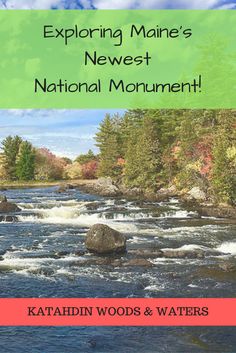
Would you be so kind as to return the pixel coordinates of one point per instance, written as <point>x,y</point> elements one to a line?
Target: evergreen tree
<point>143,158</point>
<point>107,141</point>
<point>84,158</point>
<point>223,172</point>
<point>11,146</point>
<point>131,160</point>
<point>148,155</point>
<point>185,147</point>
<point>25,164</point>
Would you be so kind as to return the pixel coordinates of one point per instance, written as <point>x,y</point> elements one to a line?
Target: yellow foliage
<point>3,175</point>
<point>73,171</point>
<point>231,154</point>
<point>196,166</point>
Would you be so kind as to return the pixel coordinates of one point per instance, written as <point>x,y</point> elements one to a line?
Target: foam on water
<point>187,247</point>
<point>77,216</point>
<point>154,288</point>
<point>177,214</point>
<point>228,247</point>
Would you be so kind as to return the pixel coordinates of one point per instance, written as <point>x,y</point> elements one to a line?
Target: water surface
<point>40,258</point>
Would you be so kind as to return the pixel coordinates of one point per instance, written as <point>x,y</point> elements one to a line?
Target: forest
<point>151,149</point>
<point>145,149</point>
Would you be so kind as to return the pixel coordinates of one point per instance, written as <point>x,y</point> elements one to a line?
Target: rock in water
<point>105,187</point>
<point>3,198</point>
<point>138,262</point>
<point>102,239</point>
<point>228,266</point>
<point>64,188</point>
<point>9,219</point>
<point>197,194</point>
<point>6,207</point>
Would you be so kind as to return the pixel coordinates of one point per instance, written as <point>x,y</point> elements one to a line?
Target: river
<point>42,256</point>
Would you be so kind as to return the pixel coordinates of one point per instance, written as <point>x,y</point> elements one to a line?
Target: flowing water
<point>41,257</point>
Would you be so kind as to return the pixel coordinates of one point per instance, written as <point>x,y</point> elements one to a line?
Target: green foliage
<point>143,160</point>
<point>108,142</point>
<point>224,168</point>
<point>11,146</point>
<point>85,158</point>
<point>67,160</point>
<point>25,163</point>
<point>161,147</point>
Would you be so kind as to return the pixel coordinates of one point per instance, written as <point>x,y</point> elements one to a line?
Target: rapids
<point>41,255</point>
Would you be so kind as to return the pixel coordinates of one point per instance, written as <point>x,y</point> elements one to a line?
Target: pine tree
<point>84,158</point>
<point>11,147</point>
<point>107,141</point>
<point>131,160</point>
<point>143,158</point>
<point>223,173</point>
<point>25,164</point>
<point>148,155</point>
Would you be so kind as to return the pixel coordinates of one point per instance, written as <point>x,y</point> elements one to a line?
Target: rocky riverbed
<point>171,250</point>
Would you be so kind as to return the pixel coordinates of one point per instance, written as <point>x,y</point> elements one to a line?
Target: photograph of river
<point>67,176</point>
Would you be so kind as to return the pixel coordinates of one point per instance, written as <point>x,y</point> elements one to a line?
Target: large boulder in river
<point>106,187</point>
<point>197,194</point>
<point>6,207</point>
<point>102,239</point>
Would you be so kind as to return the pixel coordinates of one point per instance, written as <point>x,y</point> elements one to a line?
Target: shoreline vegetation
<point>146,154</point>
<point>42,184</point>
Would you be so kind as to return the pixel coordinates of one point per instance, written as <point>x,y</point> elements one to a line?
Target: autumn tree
<point>48,166</point>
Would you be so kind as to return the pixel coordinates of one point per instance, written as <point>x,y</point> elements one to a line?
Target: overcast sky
<point>70,132</point>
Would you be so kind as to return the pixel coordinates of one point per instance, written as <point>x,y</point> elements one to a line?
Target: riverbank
<point>30,184</point>
<point>194,200</point>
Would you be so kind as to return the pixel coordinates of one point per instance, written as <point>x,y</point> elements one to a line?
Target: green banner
<point>118,59</point>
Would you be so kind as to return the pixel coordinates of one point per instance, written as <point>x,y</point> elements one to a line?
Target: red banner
<point>118,312</point>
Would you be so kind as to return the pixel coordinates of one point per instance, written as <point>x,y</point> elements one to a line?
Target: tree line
<point>20,160</point>
<point>150,149</point>
<point>145,149</point>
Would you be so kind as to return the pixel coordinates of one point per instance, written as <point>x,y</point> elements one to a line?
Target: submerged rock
<point>102,239</point>
<point>9,219</point>
<point>182,254</point>
<point>218,212</point>
<point>64,188</point>
<point>79,253</point>
<point>223,271</point>
<point>138,262</point>
<point>228,266</point>
<point>147,253</point>
<point>6,207</point>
